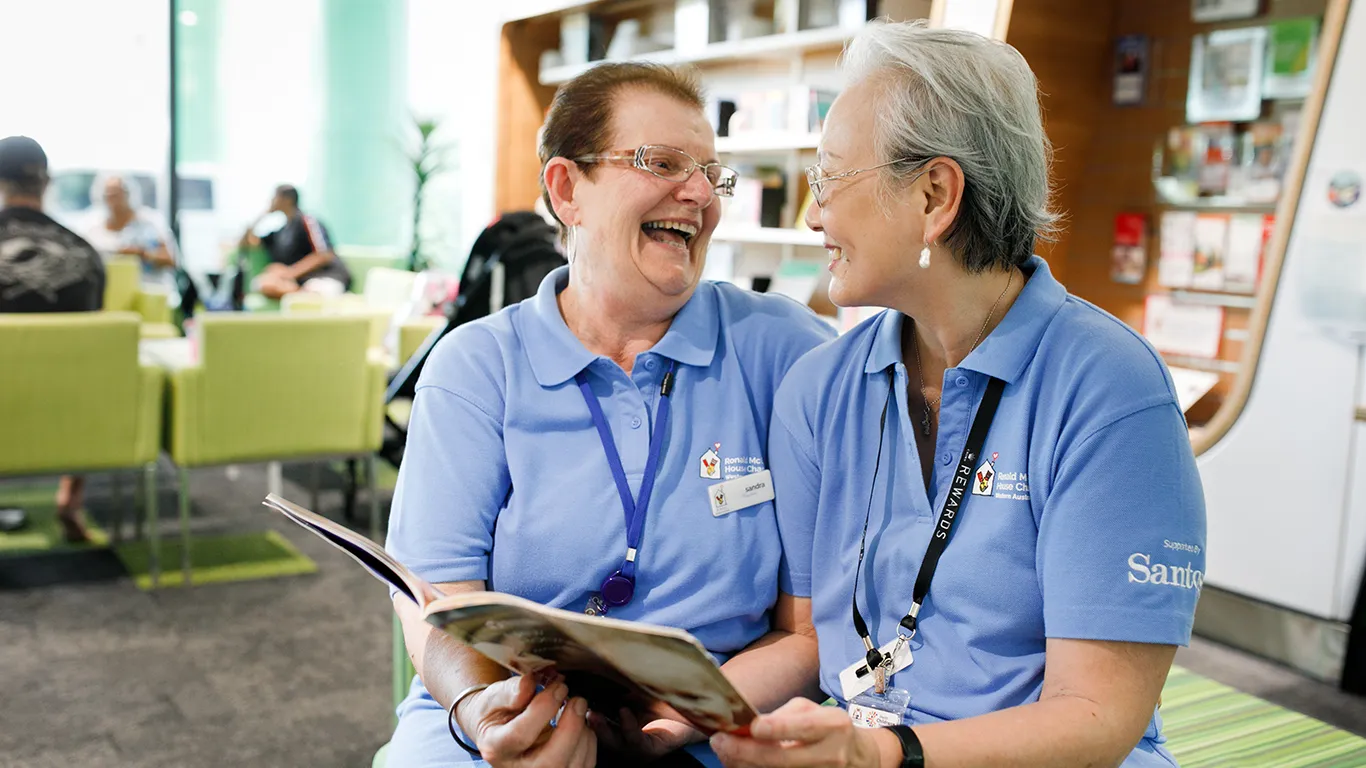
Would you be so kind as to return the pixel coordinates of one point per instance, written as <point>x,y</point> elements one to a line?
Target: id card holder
<point>880,710</point>
<point>857,677</point>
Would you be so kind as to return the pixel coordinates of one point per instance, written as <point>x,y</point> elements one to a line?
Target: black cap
<point>21,159</point>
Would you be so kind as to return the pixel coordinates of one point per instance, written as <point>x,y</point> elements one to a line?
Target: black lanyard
<point>953,506</point>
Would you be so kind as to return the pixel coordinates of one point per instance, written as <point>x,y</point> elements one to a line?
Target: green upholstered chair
<point>275,387</point>
<point>124,292</point>
<point>74,398</point>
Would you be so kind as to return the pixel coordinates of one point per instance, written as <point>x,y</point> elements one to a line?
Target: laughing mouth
<point>675,233</point>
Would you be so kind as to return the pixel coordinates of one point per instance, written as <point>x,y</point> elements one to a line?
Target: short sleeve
<point>317,235</point>
<point>1121,548</point>
<point>453,481</point>
<point>796,489</point>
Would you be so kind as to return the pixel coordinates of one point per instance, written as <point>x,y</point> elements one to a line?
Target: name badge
<point>857,677</point>
<point>740,493</point>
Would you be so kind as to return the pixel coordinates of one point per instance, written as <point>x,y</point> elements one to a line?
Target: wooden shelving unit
<point>1103,153</point>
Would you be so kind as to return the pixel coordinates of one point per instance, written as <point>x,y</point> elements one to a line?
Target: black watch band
<point>911,754</point>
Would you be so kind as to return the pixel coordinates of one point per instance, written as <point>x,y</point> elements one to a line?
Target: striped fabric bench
<point>1210,725</point>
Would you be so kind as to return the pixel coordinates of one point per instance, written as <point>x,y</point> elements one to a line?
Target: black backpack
<point>507,263</point>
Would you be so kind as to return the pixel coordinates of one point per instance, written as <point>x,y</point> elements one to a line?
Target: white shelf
<point>755,143</point>
<point>769,236</point>
<point>1214,299</point>
<point>768,46</point>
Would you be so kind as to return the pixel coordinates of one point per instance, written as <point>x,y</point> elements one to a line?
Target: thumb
<point>513,693</point>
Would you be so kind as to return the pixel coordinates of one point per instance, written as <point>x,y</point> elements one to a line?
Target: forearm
<point>160,256</point>
<point>445,666</point>
<point>1062,731</point>
<point>307,264</point>
<point>779,666</point>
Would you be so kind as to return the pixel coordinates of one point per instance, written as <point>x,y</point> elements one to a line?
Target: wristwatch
<point>911,754</point>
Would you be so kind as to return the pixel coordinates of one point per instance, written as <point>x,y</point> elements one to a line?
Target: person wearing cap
<point>301,255</point>
<point>44,267</point>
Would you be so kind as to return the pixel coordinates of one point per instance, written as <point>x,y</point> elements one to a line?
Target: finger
<point>520,733</point>
<point>605,732</point>
<point>740,752</point>
<point>583,751</point>
<point>514,694</point>
<point>571,728</point>
<point>799,720</point>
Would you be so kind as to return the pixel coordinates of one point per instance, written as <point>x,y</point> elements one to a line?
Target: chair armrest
<point>183,437</point>
<point>153,306</point>
<point>151,390</point>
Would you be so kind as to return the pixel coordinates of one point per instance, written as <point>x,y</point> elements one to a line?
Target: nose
<point>697,189</point>
<point>813,217</point>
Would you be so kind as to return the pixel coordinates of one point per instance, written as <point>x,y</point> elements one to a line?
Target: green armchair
<point>74,397</point>
<point>123,292</point>
<point>271,387</point>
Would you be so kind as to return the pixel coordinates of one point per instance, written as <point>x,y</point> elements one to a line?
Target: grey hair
<point>956,94</point>
<point>103,178</point>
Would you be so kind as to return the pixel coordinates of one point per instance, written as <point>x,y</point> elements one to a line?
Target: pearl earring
<point>925,257</point>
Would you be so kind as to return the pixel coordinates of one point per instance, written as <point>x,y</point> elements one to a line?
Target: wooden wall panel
<point>522,103</point>
<point>1067,43</point>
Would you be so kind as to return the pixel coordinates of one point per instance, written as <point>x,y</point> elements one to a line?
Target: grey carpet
<point>288,672</point>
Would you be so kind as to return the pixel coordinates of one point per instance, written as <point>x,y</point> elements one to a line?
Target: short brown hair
<point>580,118</point>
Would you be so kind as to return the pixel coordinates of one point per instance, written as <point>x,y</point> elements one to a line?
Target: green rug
<point>1211,725</point>
<point>217,559</point>
<point>42,533</point>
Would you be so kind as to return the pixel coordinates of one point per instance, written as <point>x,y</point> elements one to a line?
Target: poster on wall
<point>1291,48</point>
<point>1222,10</point>
<point>1129,258</point>
<point>1131,70</point>
<point>1194,330</point>
<point>1226,75</point>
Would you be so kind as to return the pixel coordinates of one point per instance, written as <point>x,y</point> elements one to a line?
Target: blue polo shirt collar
<point>557,355</point>
<point>1004,353</point>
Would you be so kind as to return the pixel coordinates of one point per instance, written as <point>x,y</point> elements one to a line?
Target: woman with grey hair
<point>986,494</point>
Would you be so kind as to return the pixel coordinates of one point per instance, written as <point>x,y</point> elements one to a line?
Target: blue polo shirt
<point>1088,521</point>
<point>505,479</point>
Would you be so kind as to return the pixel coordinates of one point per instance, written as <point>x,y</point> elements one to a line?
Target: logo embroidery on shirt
<point>711,462</point>
<point>984,479</point>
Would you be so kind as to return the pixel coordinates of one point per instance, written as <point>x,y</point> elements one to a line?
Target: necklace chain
<point>920,371</point>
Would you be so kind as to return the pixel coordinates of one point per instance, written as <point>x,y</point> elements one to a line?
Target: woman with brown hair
<point>542,460</point>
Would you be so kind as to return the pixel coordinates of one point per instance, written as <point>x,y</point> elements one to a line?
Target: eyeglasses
<point>816,178</point>
<point>671,165</point>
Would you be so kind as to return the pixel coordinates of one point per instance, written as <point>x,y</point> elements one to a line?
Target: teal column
<point>360,185</point>
<point>199,113</point>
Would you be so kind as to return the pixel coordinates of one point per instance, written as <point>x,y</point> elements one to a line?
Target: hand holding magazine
<point>609,662</point>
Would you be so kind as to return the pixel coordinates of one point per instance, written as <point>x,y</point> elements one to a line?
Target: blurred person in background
<point>301,256</point>
<point>44,267</point>
<point>123,227</point>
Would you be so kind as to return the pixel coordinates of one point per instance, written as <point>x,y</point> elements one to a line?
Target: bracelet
<point>911,754</point>
<point>450,718</point>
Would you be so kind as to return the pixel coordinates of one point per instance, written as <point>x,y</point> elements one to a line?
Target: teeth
<point>835,252</point>
<point>687,230</point>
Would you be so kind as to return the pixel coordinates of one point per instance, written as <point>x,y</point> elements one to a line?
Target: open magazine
<point>609,662</point>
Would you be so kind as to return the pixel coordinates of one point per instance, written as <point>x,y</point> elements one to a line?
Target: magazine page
<point>361,549</point>
<point>611,663</point>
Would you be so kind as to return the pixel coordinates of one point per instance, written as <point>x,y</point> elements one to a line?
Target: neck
<point>952,320</point>
<point>609,325</point>
<point>120,219</point>
<point>23,201</point>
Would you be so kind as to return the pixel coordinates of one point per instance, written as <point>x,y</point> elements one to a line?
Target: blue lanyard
<point>618,588</point>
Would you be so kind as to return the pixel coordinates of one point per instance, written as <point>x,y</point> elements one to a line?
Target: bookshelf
<point>1105,160</point>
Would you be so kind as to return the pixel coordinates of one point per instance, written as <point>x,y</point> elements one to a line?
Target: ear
<point>943,196</point>
<point>561,177</point>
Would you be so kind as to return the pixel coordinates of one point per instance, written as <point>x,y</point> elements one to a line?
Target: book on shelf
<point>1247,236</point>
<point>1176,262</point>
<point>1129,256</point>
<point>609,662</point>
<point>1211,238</point>
<point>1291,48</point>
<point>1193,330</point>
